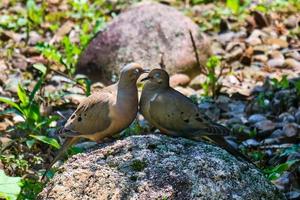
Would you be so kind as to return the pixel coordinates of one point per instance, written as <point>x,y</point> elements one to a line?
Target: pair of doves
<point>112,109</point>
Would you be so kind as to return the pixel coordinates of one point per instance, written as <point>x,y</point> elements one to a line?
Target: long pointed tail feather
<point>68,142</point>
<point>221,141</point>
<point>216,134</point>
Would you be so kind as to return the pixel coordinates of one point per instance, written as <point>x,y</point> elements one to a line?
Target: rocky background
<point>238,60</point>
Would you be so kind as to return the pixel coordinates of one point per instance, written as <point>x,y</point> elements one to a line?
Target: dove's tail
<point>217,129</point>
<point>216,133</point>
<point>68,142</point>
<point>221,141</point>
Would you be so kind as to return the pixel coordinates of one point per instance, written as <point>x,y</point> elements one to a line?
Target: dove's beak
<point>146,71</point>
<point>146,78</point>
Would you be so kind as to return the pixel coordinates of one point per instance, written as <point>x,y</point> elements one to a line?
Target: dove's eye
<point>157,75</point>
<point>136,71</point>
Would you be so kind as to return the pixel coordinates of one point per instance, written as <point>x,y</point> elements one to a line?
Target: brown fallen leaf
<point>276,41</point>
<point>62,31</point>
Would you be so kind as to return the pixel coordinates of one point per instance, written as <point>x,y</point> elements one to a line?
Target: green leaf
<point>83,80</point>
<point>275,172</point>
<point>42,68</point>
<point>47,140</point>
<point>234,5</point>
<point>36,88</point>
<point>213,62</point>
<point>11,103</point>
<point>9,186</point>
<point>297,86</point>
<point>22,95</point>
<point>34,13</point>
<point>30,143</point>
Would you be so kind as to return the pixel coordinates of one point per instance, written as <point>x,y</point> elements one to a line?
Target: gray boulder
<point>158,167</point>
<point>141,34</point>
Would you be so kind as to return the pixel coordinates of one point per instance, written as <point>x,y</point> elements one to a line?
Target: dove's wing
<point>92,115</point>
<point>172,111</point>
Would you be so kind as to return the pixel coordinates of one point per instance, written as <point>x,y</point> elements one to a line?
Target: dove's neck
<point>127,92</point>
<point>127,101</point>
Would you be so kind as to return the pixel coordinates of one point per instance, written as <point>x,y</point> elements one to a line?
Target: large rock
<point>158,167</point>
<point>141,34</point>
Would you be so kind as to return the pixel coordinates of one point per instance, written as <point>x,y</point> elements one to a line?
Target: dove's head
<point>131,72</point>
<point>157,78</point>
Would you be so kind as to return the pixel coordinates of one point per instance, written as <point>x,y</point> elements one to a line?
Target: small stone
<point>277,134</point>
<point>292,22</point>
<point>19,63</point>
<point>237,107</point>
<point>293,54</point>
<point>255,37</point>
<point>224,26</point>
<point>265,126</point>
<point>60,79</point>
<point>251,143</point>
<point>294,156</point>
<point>222,102</point>
<point>233,79</point>
<point>11,84</point>
<point>235,54</point>
<point>34,38</point>
<point>239,129</point>
<point>224,38</point>
<point>297,116</point>
<point>292,63</point>
<point>197,82</point>
<point>290,129</point>
<point>292,195</point>
<point>260,49</point>
<point>286,117</point>
<point>260,19</point>
<point>276,62</point>
<point>217,49</point>
<point>187,91</point>
<point>74,98</point>
<point>277,43</point>
<point>283,181</point>
<point>260,58</point>
<point>18,119</point>
<point>232,45</point>
<point>179,80</point>
<point>256,118</point>
<point>234,120</point>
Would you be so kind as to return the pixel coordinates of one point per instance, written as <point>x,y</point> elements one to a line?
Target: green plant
<point>49,51</point>
<point>138,165</point>
<point>30,189</point>
<point>10,187</point>
<point>234,5</point>
<point>280,84</point>
<point>262,100</point>
<point>211,85</point>
<point>297,86</point>
<point>35,126</point>
<point>35,13</point>
<point>274,173</point>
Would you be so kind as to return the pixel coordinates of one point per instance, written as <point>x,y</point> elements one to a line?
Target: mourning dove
<point>104,113</point>
<point>175,114</point>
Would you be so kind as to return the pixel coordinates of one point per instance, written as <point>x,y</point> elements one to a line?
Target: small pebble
<point>286,117</point>
<point>256,118</point>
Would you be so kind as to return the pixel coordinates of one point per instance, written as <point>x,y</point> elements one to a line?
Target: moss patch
<point>138,165</point>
